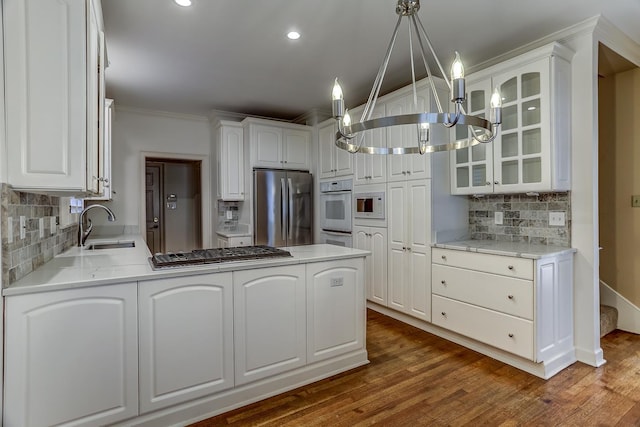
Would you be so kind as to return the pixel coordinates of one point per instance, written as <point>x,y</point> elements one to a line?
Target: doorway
<point>173,204</point>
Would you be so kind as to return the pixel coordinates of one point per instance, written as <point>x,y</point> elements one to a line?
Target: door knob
<point>155,219</point>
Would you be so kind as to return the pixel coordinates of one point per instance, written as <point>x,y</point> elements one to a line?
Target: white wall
<point>136,131</point>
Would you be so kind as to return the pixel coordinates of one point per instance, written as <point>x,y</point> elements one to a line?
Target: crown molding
<point>615,39</point>
<point>158,113</point>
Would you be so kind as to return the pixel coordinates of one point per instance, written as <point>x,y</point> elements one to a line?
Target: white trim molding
<point>628,313</point>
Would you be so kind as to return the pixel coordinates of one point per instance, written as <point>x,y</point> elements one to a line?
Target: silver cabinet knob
<point>510,267</point>
<point>510,297</point>
<point>488,183</point>
<point>444,257</point>
<point>443,282</point>
<point>510,335</point>
<point>496,182</point>
<point>444,313</point>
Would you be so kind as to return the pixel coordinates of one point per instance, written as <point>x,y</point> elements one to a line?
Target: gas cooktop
<point>216,255</point>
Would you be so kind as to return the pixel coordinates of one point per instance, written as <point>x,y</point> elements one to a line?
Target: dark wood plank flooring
<point>418,379</point>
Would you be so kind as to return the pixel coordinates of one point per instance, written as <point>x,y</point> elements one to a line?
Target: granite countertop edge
<point>512,249</point>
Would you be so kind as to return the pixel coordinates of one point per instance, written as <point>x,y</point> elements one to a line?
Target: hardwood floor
<point>417,379</point>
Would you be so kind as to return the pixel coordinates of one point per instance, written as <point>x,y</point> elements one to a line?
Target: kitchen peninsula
<point>138,346</point>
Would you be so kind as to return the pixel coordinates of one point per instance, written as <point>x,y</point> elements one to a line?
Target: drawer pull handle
<point>510,267</point>
<point>510,335</point>
<point>510,297</point>
<point>443,282</point>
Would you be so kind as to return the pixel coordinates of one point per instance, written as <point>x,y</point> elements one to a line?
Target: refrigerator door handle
<point>290,198</point>
<point>283,212</point>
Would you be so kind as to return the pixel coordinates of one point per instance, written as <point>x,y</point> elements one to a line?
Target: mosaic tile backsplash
<point>525,218</point>
<point>22,256</point>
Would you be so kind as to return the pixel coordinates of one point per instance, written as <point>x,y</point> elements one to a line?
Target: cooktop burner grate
<point>215,255</point>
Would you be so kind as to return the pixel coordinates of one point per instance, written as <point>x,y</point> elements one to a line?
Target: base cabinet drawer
<point>500,293</point>
<point>500,330</point>
<point>509,266</point>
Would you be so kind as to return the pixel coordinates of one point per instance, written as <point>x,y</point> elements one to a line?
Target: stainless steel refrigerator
<point>282,208</point>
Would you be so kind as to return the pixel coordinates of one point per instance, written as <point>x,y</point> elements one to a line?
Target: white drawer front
<point>506,332</point>
<point>521,268</point>
<point>501,293</point>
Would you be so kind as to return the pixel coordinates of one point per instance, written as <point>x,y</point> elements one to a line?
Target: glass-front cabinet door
<point>472,167</point>
<point>522,150</point>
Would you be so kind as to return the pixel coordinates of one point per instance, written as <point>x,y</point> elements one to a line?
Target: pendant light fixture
<point>480,129</point>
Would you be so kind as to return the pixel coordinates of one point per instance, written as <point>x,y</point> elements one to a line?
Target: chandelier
<point>480,129</point>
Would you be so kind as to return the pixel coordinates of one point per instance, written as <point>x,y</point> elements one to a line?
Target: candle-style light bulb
<point>457,69</point>
<point>423,132</point>
<point>496,99</point>
<point>337,91</point>
<point>346,120</point>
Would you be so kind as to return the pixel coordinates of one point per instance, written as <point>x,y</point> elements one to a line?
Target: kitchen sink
<point>111,245</point>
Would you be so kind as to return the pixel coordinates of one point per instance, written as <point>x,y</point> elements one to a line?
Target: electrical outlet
<point>23,227</point>
<point>557,219</point>
<point>41,227</point>
<point>9,230</point>
<point>635,201</point>
<point>498,218</point>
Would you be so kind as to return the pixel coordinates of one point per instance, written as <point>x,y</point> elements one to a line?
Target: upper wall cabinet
<point>370,169</point>
<point>54,84</point>
<point>230,161</point>
<point>104,155</point>
<point>277,145</point>
<point>531,152</point>
<point>332,161</point>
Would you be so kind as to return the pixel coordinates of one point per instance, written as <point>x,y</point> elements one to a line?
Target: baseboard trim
<point>544,370</point>
<point>628,313</point>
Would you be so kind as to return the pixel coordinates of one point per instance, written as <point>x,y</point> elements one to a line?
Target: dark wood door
<point>153,208</point>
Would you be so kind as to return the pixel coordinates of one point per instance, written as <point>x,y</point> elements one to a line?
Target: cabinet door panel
<point>60,345</point>
<point>296,149</point>
<point>378,268</point>
<point>326,150</point>
<point>186,329</point>
<point>267,146</point>
<point>335,303</point>
<point>269,319</point>
<point>46,83</point>
<point>231,166</point>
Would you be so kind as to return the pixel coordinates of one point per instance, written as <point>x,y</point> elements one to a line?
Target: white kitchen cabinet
<point>186,338</point>
<point>71,357</point>
<point>409,247</point>
<point>522,306</point>
<point>412,166</point>
<point>54,81</point>
<point>269,322</point>
<point>373,239</point>
<point>335,307</point>
<point>231,242</point>
<point>104,166</point>
<point>278,145</point>
<point>370,168</point>
<point>230,161</point>
<point>332,161</point>
<point>531,152</point>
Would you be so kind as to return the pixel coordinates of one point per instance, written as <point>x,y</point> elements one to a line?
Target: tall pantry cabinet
<point>54,81</point>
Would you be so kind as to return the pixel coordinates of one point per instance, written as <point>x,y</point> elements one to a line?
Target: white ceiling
<point>232,55</point>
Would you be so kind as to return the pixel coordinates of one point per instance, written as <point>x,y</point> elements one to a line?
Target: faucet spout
<point>84,234</point>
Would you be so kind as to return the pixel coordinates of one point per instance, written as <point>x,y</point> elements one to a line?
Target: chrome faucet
<point>84,234</point>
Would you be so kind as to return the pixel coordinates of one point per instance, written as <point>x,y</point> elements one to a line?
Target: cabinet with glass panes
<point>531,152</point>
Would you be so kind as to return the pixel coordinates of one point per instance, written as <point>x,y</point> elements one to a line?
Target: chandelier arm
<point>413,71</point>
<point>487,139</point>
<point>377,84</point>
<point>433,53</point>
<point>426,66</point>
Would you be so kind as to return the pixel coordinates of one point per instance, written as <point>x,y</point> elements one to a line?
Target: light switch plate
<point>557,219</point>
<point>498,217</point>
<point>9,230</point>
<point>53,225</point>
<point>23,227</point>
<point>635,201</point>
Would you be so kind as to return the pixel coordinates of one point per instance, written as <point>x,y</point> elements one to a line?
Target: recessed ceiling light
<point>293,35</point>
<point>183,3</point>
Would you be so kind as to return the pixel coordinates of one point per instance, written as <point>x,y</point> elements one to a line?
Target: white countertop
<point>242,230</point>
<point>79,267</point>
<point>514,249</point>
